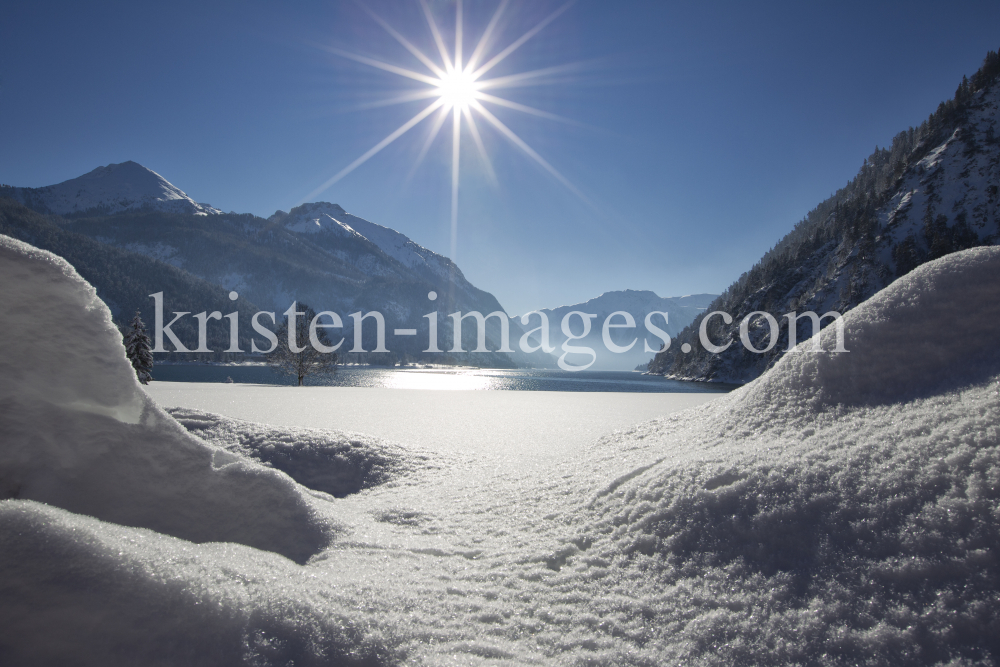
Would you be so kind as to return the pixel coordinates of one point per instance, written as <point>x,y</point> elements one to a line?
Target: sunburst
<point>458,88</point>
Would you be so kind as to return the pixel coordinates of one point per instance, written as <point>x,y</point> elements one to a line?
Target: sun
<point>457,88</point>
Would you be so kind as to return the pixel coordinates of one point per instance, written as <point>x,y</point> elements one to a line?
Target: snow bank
<point>334,462</point>
<point>78,432</point>
<point>841,509</point>
<point>76,591</point>
<point>932,332</point>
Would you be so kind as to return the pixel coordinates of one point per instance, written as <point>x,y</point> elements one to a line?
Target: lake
<point>443,378</point>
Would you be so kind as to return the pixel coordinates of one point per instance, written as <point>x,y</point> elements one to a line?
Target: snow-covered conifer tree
<point>138,347</point>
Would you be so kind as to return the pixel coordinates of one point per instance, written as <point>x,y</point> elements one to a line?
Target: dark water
<point>447,378</point>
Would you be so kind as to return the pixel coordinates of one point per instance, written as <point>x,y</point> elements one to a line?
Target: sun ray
<point>431,65</point>
<point>456,137</point>
<point>513,80</point>
<point>459,92</point>
<point>435,129</point>
<point>400,99</point>
<point>400,131</point>
<point>478,139</point>
<point>524,108</point>
<point>517,141</point>
<point>497,59</point>
<point>402,71</point>
<point>437,36</point>
<point>458,36</point>
<point>484,41</point>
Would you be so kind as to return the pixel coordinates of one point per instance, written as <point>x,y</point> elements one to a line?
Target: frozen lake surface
<point>531,424</point>
<point>425,377</point>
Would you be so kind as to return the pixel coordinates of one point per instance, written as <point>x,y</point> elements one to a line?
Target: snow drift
<point>76,591</point>
<point>843,509</point>
<point>79,433</point>
<point>333,462</point>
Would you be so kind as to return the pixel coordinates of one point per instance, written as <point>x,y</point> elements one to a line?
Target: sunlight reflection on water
<point>419,379</point>
<point>457,379</point>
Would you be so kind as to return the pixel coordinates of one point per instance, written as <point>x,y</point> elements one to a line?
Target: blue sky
<point>702,131</point>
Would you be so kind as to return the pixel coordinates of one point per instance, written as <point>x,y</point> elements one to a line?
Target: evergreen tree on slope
<point>138,348</point>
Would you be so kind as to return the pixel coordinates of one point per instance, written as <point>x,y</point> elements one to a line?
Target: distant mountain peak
<point>680,311</point>
<point>309,208</point>
<point>107,190</point>
<point>314,217</point>
<point>635,300</point>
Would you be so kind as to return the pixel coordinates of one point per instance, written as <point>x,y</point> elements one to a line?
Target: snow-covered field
<point>842,509</point>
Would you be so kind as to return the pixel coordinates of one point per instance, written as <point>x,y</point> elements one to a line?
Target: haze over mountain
<point>932,192</point>
<point>680,312</point>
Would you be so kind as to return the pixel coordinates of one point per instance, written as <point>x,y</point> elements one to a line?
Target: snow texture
<point>840,510</point>
<point>79,433</point>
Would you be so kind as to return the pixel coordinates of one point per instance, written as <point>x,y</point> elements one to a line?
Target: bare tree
<point>308,360</point>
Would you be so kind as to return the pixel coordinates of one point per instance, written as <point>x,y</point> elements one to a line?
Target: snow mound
<point>330,461</point>
<point>78,591</point>
<point>78,432</point>
<point>931,332</point>
<point>842,508</point>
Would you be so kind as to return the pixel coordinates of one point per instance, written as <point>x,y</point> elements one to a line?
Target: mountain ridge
<point>314,254</point>
<point>124,279</point>
<point>314,217</point>
<point>107,190</point>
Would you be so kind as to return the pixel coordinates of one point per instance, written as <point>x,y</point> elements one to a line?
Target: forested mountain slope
<point>125,279</point>
<point>932,192</point>
<point>329,269</point>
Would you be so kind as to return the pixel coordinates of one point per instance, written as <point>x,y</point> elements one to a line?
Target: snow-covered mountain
<point>321,255</point>
<point>932,192</point>
<point>681,311</point>
<point>323,216</point>
<point>316,254</point>
<point>108,190</point>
